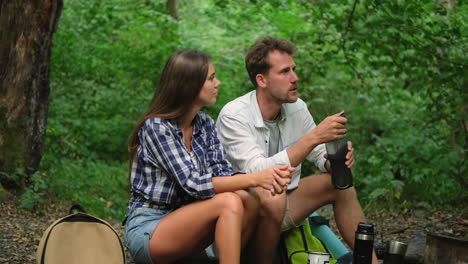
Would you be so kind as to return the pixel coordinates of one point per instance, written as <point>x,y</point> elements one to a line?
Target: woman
<point>183,195</point>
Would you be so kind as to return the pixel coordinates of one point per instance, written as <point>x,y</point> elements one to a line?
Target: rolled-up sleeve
<point>316,155</point>
<point>166,152</point>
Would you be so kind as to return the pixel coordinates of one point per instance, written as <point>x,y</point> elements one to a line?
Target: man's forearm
<point>298,152</point>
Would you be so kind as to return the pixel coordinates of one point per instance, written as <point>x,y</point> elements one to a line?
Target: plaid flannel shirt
<point>163,174</point>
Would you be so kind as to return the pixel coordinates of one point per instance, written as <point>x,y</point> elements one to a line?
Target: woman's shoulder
<point>158,124</point>
<point>155,121</point>
<point>204,122</point>
<point>204,118</point>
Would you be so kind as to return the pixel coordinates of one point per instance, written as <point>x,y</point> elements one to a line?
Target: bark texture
<point>26,29</point>
<point>172,8</point>
<point>445,249</point>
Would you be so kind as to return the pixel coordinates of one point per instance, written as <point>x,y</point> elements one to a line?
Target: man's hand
<point>283,178</point>
<point>330,129</point>
<point>274,179</point>
<point>350,155</point>
<point>349,158</point>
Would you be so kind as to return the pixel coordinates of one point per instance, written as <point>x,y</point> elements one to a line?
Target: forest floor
<point>21,230</point>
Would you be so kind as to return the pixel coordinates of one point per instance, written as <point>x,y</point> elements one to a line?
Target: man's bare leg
<point>317,190</point>
<point>266,235</point>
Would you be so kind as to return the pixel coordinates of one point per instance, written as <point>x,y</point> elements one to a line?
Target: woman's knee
<point>230,202</point>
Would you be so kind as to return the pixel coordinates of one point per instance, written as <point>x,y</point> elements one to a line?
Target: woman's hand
<point>274,179</point>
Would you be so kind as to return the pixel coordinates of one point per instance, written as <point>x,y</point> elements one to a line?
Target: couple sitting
<point>185,192</point>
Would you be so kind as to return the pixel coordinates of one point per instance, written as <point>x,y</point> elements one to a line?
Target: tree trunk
<point>172,7</point>
<point>26,29</point>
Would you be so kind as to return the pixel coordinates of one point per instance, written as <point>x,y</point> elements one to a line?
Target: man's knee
<point>250,199</point>
<point>348,194</point>
<point>273,206</point>
<point>318,187</point>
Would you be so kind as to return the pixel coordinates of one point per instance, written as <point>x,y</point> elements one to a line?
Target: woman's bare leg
<point>251,203</point>
<point>191,228</point>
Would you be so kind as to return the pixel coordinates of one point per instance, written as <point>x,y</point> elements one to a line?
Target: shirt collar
<point>196,123</point>
<point>258,118</point>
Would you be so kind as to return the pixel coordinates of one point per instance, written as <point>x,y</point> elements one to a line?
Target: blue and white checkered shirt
<point>163,172</point>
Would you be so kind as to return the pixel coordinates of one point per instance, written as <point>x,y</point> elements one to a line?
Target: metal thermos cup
<point>318,258</point>
<point>395,252</point>
<point>341,175</point>
<point>363,244</point>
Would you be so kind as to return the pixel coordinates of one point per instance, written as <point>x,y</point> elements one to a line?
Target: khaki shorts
<point>288,222</point>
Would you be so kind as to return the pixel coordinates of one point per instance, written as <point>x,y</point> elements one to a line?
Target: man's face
<point>281,79</point>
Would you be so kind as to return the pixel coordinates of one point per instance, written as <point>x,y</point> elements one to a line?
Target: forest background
<point>398,69</point>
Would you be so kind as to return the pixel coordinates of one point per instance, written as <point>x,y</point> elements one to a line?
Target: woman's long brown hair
<point>181,80</point>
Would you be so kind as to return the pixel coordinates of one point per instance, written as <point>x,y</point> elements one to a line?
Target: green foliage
<point>33,196</point>
<point>105,61</point>
<point>106,57</point>
<point>100,187</point>
<point>3,193</point>
<point>16,176</point>
<point>403,67</point>
<point>398,69</point>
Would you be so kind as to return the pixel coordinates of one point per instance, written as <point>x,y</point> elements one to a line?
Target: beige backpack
<point>80,238</point>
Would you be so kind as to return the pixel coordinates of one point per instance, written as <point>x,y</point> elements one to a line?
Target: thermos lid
<point>365,228</point>
<point>397,247</point>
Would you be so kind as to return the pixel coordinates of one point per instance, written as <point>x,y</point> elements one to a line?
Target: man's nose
<point>294,77</point>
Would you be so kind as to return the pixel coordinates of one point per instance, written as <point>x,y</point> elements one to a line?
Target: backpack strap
<point>318,220</point>
<point>76,208</point>
<point>304,239</point>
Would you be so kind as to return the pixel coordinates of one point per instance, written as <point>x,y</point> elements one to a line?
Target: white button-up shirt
<point>244,135</point>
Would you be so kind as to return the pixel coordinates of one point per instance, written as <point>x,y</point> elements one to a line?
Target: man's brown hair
<point>256,61</point>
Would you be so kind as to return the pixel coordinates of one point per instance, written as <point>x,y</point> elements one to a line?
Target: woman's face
<point>209,91</point>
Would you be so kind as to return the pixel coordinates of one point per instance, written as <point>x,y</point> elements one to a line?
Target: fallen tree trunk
<point>444,249</point>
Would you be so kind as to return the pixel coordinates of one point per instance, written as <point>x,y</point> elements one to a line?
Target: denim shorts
<point>139,228</point>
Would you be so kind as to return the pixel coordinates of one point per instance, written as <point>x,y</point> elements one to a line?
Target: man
<point>271,125</point>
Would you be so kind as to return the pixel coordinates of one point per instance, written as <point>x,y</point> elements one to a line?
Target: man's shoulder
<point>240,106</point>
<point>292,108</point>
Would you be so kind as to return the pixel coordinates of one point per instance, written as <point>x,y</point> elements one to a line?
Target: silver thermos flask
<point>395,252</point>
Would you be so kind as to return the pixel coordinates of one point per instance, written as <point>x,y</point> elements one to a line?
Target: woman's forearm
<point>233,183</point>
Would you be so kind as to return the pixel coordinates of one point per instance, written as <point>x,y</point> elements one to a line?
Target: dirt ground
<point>21,231</point>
